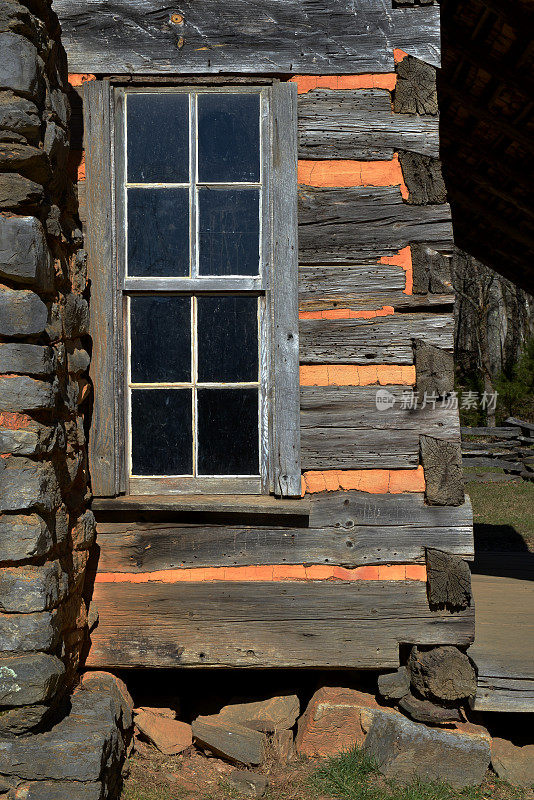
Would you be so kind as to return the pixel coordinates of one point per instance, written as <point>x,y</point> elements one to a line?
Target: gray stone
<point>19,115</point>
<point>18,193</point>
<point>33,440</point>
<point>24,256</point>
<point>57,106</point>
<point>75,316</point>
<point>58,790</point>
<point>84,531</point>
<point>30,161</point>
<point>24,536</point>
<point>405,750</point>
<point>26,485</point>
<point>442,673</point>
<point>22,393</point>
<point>32,588</point>
<point>20,65</point>
<point>28,632</point>
<point>17,721</point>
<point>249,783</point>
<point>26,359</point>
<point>22,313</point>
<point>78,359</point>
<point>230,740</point>
<point>109,685</point>
<point>394,685</point>
<point>513,764</point>
<point>428,712</point>
<point>26,680</point>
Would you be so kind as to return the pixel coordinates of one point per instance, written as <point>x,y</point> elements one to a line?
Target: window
<point>192,258</point>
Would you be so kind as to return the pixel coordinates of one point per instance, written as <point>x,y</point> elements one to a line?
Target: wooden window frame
<point>103,126</point>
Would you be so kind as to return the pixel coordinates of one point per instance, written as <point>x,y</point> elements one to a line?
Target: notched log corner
<point>442,464</point>
<point>449,581</point>
<point>434,369</point>
<point>423,177</point>
<point>431,270</point>
<point>416,91</point>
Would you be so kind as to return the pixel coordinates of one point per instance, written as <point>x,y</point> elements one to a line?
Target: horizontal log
<point>347,226</point>
<point>287,624</point>
<point>382,340</point>
<point>204,503</point>
<point>361,125</point>
<point>398,300</point>
<point>504,694</point>
<point>342,427</point>
<point>243,36</point>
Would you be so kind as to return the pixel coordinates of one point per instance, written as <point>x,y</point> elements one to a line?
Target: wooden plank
<point>361,125</point>
<point>196,503</point>
<point>347,226</point>
<point>105,434</point>
<point>285,445</point>
<point>342,427</point>
<point>151,546</point>
<point>399,301</point>
<point>509,695</point>
<point>280,624</point>
<point>244,36</point>
<point>500,433</point>
<point>382,340</point>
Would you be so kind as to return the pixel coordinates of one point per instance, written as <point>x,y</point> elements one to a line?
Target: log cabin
<point>274,438</point>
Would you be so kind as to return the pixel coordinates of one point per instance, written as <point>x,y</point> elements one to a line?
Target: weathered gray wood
<point>105,432</point>
<point>434,369</point>
<point>415,92</point>
<point>509,695</point>
<point>399,300</point>
<point>422,175</point>
<point>449,580</point>
<point>382,340</point>
<point>431,270</point>
<point>273,36</point>
<point>360,125</point>
<point>285,445</point>
<point>442,463</point>
<point>279,624</point>
<point>500,433</point>
<point>341,426</point>
<point>150,546</point>
<point>351,225</point>
<point>202,503</point>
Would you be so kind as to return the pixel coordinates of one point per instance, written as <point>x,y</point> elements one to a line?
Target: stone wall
<point>46,529</point>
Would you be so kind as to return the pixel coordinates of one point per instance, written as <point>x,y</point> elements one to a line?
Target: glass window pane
<point>229,231</point>
<point>158,232</point>
<point>227,339</point>
<point>158,138</point>
<point>162,432</point>
<point>228,432</point>
<point>160,339</point>
<point>229,137</point>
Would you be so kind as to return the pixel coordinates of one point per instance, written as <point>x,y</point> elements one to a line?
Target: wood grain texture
<point>285,445</point>
<point>250,36</point>
<point>203,503</point>
<point>319,624</point>
<point>103,442</point>
<point>348,529</point>
<point>383,340</point>
<point>342,427</point>
<point>361,125</point>
<point>347,226</point>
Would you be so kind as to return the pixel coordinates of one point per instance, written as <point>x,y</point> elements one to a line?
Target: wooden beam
<point>280,624</point>
<point>202,503</point>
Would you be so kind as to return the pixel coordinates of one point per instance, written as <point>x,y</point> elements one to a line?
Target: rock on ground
<point>169,735</point>
<point>394,685</point>
<point>230,740</point>
<point>405,749</point>
<point>428,712</point>
<point>249,783</point>
<point>333,721</point>
<point>277,713</point>
<point>513,764</point>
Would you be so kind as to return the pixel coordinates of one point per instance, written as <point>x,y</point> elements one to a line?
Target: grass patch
<point>506,512</point>
<point>355,776</point>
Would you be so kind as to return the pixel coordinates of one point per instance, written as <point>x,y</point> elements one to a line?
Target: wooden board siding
<point>383,340</point>
<point>361,125</point>
<point>244,36</point>
<point>342,427</point>
<point>317,624</point>
<point>348,529</point>
<point>347,226</point>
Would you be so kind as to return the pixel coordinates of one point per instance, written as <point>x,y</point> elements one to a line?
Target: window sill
<point>217,503</point>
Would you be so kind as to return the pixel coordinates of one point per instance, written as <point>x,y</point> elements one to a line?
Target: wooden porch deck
<point>503,588</point>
